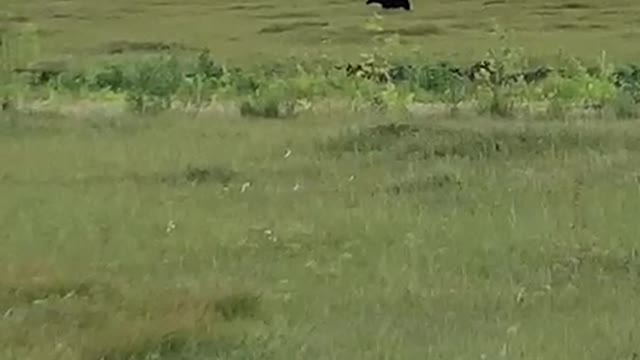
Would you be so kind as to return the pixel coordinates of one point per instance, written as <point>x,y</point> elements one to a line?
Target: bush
<point>625,106</point>
<point>498,84</point>
<point>627,79</point>
<point>151,84</point>
<point>272,100</point>
<point>112,77</point>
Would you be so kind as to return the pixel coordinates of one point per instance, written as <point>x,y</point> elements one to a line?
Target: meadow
<point>320,183</point>
<point>247,31</point>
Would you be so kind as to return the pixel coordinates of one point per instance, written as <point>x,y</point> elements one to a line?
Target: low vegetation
<point>402,206</point>
<point>347,237</point>
<point>505,83</point>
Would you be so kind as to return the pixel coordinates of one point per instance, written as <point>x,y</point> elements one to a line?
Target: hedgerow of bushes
<point>502,84</point>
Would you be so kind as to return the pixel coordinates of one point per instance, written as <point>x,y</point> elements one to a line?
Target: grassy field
<point>362,231</point>
<point>246,31</point>
<point>229,238</point>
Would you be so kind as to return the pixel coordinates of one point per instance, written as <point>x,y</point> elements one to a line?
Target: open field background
<point>247,31</point>
<point>502,226</point>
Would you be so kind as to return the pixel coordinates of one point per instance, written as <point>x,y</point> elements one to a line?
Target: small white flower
<point>520,296</point>
<point>504,350</point>
<point>270,235</point>
<point>245,186</point>
<point>8,313</point>
<point>171,225</point>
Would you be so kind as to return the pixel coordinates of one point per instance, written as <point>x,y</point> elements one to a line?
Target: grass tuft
<point>238,305</point>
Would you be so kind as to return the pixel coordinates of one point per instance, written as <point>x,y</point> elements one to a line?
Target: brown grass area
<point>48,314</point>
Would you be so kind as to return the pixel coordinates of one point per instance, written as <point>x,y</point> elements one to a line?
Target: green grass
<point>319,238</point>
<point>331,234</point>
<point>247,31</point>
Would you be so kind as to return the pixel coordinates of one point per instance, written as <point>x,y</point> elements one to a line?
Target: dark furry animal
<point>392,4</point>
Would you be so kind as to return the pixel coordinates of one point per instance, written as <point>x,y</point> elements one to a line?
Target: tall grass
<point>345,237</point>
<point>18,47</point>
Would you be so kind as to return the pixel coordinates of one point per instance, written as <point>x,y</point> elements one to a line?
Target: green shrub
<point>272,100</point>
<point>207,67</point>
<point>380,81</point>
<point>497,92</point>
<point>152,84</point>
<point>627,79</point>
<point>437,78</point>
<point>73,81</point>
<point>111,77</point>
<point>579,89</point>
<point>624,106</point>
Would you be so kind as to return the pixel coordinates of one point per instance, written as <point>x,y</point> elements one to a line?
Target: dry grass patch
<point>291,26</point>
<point>48,314</point>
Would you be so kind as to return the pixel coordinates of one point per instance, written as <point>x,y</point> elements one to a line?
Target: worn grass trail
<point>240,31</point>
<point>235,239</point>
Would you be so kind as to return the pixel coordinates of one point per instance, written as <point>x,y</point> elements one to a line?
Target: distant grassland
<point>242,30</point>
